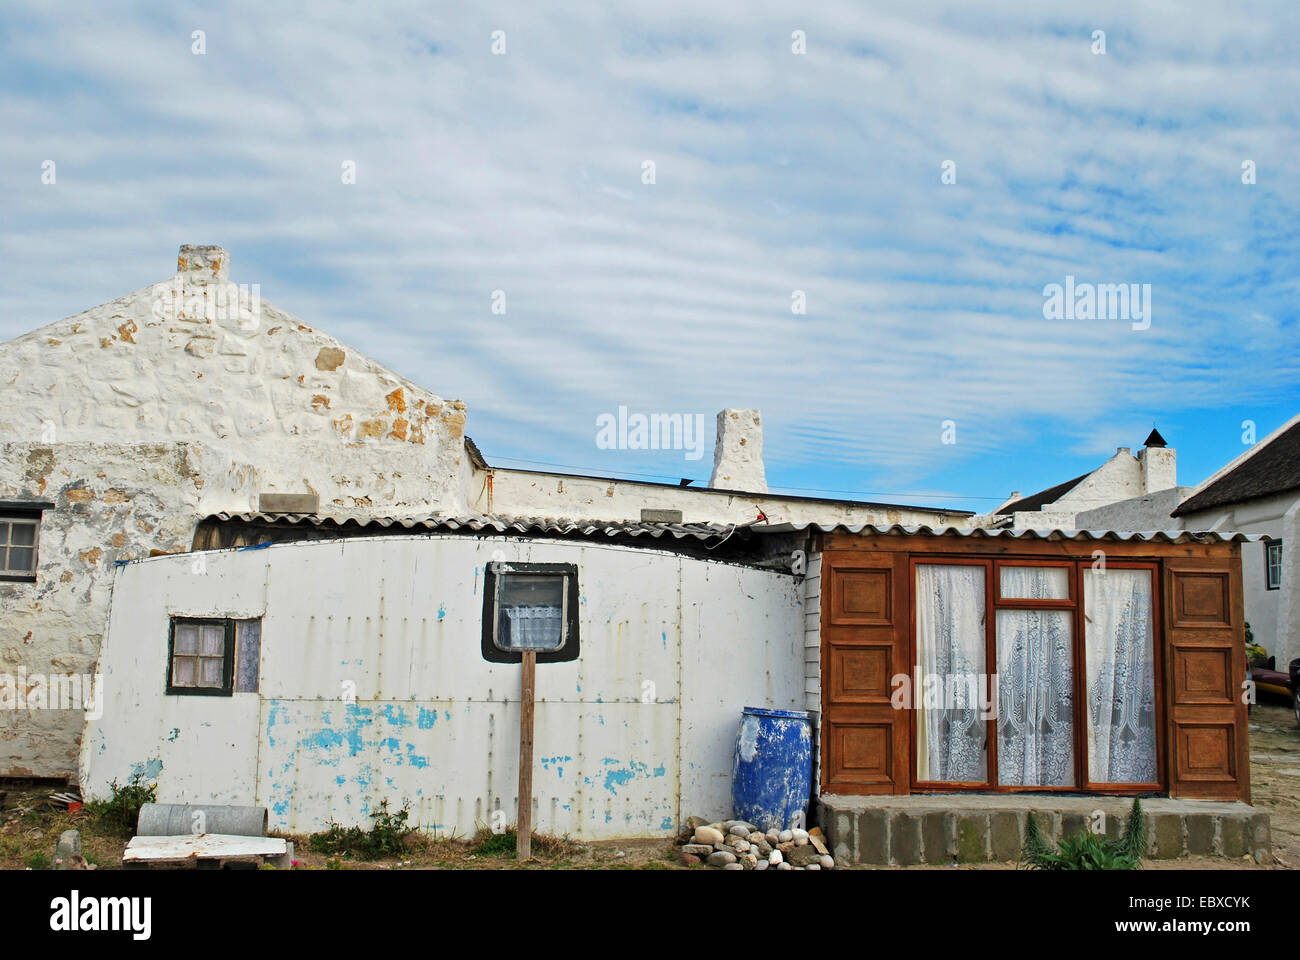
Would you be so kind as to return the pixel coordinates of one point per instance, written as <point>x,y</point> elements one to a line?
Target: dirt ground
<point>1275,776</point>
<point>30,826</point>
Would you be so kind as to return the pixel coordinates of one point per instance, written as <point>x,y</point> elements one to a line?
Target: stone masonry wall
<point>139,417</point>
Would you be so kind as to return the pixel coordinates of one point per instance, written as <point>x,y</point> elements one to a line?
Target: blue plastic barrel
<point>771,775</point>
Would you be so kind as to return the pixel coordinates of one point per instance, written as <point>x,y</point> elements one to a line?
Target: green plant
<point>1088,851</point>
<point>486,843</point>
<point>386,838</point>
<point>1256,655</point>
<point>120,812</point>
<point>38,861</point>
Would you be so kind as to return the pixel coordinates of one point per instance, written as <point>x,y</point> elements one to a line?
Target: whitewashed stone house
<point>1256,493</point>
<point>191,409</point>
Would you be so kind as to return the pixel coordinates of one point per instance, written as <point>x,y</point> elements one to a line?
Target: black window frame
<point>227,688</point>
<point>493,574</point>
<point>29,511</point>
<point>1268,566</point>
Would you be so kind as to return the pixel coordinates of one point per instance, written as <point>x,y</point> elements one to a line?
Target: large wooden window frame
<point>993,602</point>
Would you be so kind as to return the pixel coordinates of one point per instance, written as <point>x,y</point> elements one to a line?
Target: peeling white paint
<point>397,622</point>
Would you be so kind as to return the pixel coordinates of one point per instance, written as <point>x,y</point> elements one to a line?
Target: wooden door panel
<point>1206,718</point>
<point>865,603</point>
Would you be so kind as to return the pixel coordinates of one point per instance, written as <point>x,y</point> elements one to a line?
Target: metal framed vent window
<point>20,525</point>
<point>530,606</point>
<point>1273,565</point>
<point>209,656</point>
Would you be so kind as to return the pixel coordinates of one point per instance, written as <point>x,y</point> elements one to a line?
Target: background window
<point>530,606</point>
<point>18,546</point>
<point>1273,564</point>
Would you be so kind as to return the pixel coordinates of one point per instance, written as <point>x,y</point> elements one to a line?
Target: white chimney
<point>738,452</point>
<point>203,264</point>
<point>1159,464</point>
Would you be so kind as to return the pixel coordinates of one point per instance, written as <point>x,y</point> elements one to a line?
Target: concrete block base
<point>990,828</point>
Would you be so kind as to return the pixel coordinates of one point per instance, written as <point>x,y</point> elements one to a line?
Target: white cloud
<point>775,172</point>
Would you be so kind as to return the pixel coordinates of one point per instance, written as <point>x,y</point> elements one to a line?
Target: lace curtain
<point>950,622</point>
<point>1118,646</point>
<point>1035,683</point>
<point>534,627</point>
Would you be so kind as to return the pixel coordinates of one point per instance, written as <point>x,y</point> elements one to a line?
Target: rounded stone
<point>827,862</point>
<point>775,858</point>
<point>721,858</point>
<point>784,866</point>
<point>707,835</point>
<point>785,836</point>
<point>733,866</point>
<point>739,830</point>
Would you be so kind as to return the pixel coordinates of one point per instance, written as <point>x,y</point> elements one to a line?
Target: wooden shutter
<point>1205,661</point>
<point>866,614</point>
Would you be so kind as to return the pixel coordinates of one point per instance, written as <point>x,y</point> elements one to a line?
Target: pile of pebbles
<point>737,845</point>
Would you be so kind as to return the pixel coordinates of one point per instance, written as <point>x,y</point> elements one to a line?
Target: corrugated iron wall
<point>373,685</point>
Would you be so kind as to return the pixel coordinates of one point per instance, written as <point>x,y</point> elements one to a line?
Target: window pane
<point>182,672</point>
<point>1035,698</point>
<point>4,559</point>
<point>1118,648</point>
<point>531,612</point>
<point>211,672</point>
<point>187,638</point>
<point>1035,583</point>
<point>214,639</point>
<point>248,648</point>
<point>951,732</point>
<point>23,534</point>
<point>22,559</point>
<point>4,534</point>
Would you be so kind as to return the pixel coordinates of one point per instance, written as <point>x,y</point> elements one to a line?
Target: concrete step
<point>984,828</point>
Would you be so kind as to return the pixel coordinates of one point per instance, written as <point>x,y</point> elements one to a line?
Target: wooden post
<point>527,687</point>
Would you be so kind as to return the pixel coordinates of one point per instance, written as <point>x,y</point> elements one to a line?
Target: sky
<point>561,209</point>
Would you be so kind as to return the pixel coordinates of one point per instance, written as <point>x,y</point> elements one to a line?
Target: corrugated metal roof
<point>501,524</point>
<point>897,529</point>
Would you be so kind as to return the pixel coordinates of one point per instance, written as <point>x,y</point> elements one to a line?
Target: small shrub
<point>489,844</point>
<point>387,838</point>
<point>120,813</point>
<point>1088,851</point>
<point>38,861</point>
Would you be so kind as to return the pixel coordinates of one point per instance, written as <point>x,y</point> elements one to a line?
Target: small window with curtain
<point>213,656</point>
<point>1273,564</point>
<point>530,606</point>
<point>20,524</point>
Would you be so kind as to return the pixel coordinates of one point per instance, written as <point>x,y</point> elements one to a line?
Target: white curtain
<point>1118,647</point>
<point>1035,683</point>
<point>950,622</point>
<point>535,627</point>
